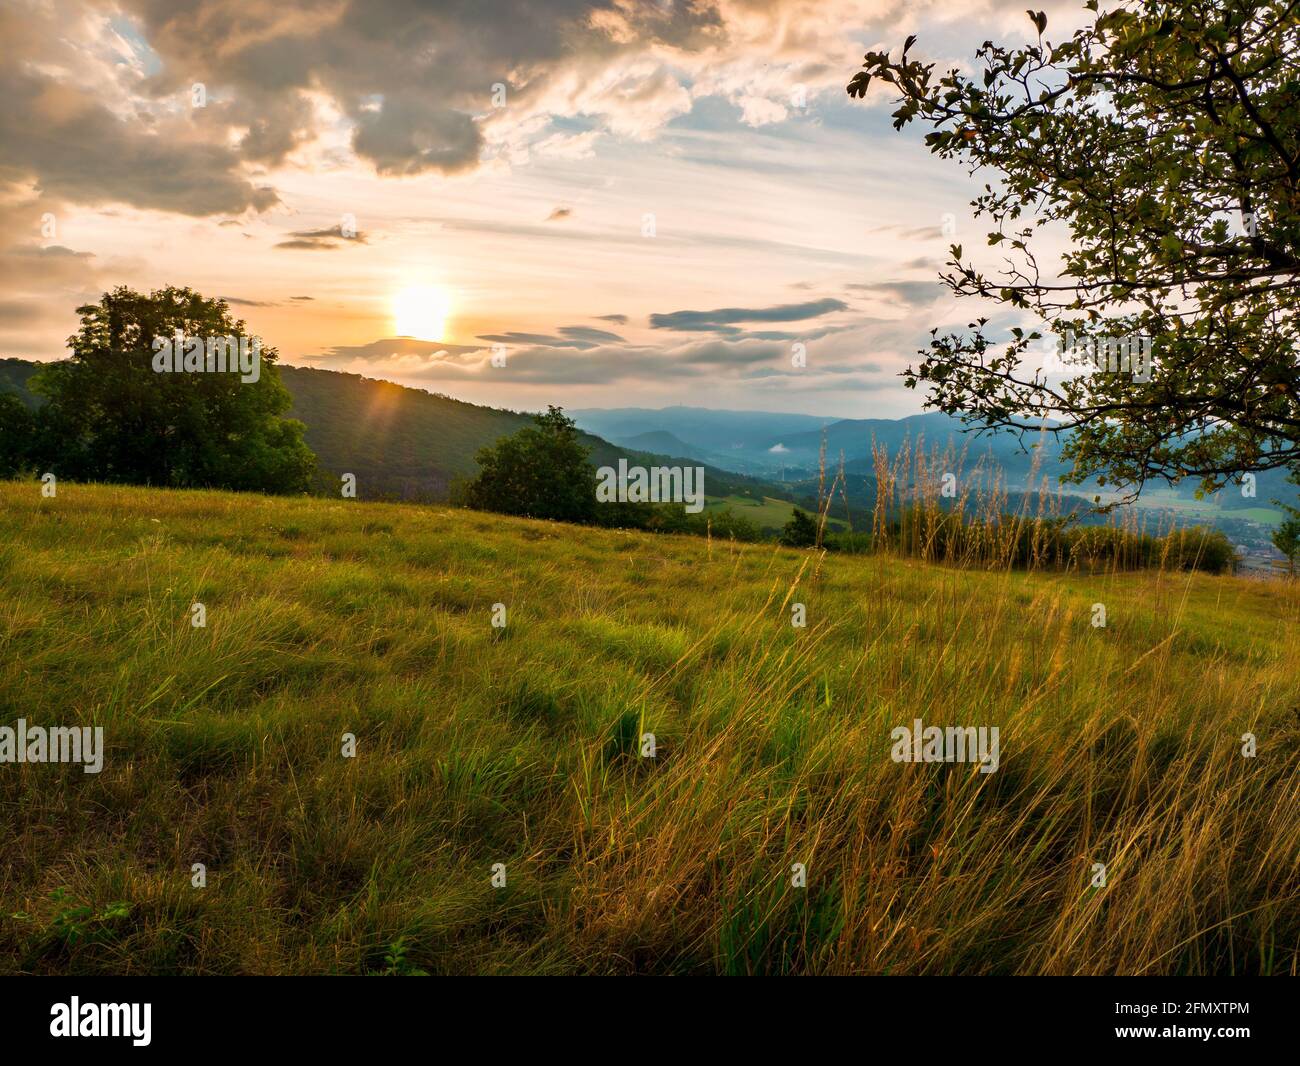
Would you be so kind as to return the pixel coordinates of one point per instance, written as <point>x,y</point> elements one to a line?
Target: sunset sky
<point>525,225</point>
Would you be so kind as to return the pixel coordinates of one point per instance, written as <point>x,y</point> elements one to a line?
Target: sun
<point>421,311</point>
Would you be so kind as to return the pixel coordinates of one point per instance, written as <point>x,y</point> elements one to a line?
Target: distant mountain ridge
<point>765,444</point>
<point>406,443</point>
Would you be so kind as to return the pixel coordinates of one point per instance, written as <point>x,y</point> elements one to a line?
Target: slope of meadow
<point>476,746</point>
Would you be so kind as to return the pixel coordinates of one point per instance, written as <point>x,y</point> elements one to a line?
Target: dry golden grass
<point>1119,745</point>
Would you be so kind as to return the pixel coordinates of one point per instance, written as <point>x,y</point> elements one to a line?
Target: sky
<point>518,203</point>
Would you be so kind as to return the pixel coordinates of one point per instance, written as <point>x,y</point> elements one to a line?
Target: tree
<point>800,531</point>
<point>1164,139</point>
<point>112,416</point>
<point>539,472</point>
<point>1286,539</point>
<point>17,428</point>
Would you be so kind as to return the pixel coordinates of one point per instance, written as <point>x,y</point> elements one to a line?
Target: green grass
<point>478,746</point>
<point>1158,499</point>
<point>766,513</point>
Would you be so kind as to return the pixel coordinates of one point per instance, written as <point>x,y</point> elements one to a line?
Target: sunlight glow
<point>422,312</point>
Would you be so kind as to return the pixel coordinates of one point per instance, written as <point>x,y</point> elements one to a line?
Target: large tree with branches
<point>1163,139</point>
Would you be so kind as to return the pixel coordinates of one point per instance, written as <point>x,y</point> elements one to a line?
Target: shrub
<point>800,531</point>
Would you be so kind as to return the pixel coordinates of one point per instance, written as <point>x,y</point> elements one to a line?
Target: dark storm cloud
<point>409,134</point>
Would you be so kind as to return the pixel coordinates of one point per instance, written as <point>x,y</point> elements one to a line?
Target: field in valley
<point>521,746</point>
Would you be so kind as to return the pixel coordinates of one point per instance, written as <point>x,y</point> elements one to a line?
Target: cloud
<point>62,132</point>
<point>321,240</point>
<point>559,213</point>
<point>568,146</point>
<point>42,285</point>
<point>920,233</point>
<point>570,337</point>
<point>390,347</point>
<point>410,133</point>
<point>834,365</point>
<point>722,320</point>
<point>441,88</point>
<point>909,293</point>
<point>620,320</point>
<point>98,104</point>
<point>587,333</point>
<point>19,312</point>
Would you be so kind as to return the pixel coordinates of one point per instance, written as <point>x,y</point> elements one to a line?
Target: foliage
<point>401,443</point>
<point>75,925</point>
<point>1164,139</point>
<point>800,531</point>
<point>17,426</point>
<point>396,962</point>
<point>109,416</point>
<point>725,523</point>
<point>1286,538</point>
<point>539,472</point>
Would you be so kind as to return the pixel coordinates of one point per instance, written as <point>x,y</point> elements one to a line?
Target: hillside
<point>659,441</point>
<point>404,443</point>
<point>14,375</point>
<point>398,441</point>
<point>408,444</point>
<point>700,427</point>
<point>520,746</point>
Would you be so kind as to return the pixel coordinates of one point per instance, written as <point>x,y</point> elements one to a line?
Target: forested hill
<point>402,443</point>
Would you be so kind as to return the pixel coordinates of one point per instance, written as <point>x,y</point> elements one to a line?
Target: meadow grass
<point>475,746</point>
<point>766,512</point>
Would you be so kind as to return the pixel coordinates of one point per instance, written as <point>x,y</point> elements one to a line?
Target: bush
<point>850,543</point>
<point>540,472</point>
<point>800,531</point>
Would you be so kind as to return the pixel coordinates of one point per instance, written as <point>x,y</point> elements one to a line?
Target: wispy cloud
<point>723,319</point>
<point>322,240</point>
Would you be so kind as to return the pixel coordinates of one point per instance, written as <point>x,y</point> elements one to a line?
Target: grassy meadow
<point>766,513</point>
<point>478,745</point>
